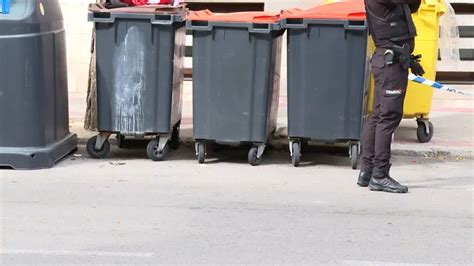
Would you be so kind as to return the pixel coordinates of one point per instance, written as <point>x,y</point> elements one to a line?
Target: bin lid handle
<point>149,9</point>
<point>245,17</point>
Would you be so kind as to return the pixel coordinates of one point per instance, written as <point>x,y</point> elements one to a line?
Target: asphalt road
<point>128,209</point>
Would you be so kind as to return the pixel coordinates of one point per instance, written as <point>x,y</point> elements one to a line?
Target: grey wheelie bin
<point>327,76</point>
<point>34,117</point>
<point>236,74</point>
<point>140,53</point>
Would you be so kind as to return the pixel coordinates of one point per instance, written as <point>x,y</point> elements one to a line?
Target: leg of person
<point>368,135</point>
<point>392,96</point>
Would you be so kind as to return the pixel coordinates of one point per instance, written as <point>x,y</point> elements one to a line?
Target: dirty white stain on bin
<point>129,67</point>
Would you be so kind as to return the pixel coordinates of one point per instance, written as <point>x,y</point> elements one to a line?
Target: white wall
<point>78,32</point>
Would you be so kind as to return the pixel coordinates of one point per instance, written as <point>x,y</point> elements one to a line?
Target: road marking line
<point>74,253</point>
<point>367,262</point>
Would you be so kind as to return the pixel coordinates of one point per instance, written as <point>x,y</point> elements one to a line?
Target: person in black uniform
<point>393,31</point>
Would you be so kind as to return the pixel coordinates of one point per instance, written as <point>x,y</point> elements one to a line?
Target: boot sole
<point>363,184</point>
<point>386,189</point>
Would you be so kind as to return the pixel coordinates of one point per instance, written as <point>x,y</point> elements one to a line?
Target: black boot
<point>381,181</point>
<point>364,178</point>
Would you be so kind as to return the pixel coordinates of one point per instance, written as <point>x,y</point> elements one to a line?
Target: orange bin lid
<point>353,10</point>
<point>246,17</point>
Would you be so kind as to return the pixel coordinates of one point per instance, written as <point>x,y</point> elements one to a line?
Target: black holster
<point>400,54</point>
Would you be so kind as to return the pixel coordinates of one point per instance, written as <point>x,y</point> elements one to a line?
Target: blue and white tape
<point>437,85</point>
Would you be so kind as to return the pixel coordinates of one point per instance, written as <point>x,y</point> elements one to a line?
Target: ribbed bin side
<point>327,69</point>
<point>139,75</point>
<point>236,84</point>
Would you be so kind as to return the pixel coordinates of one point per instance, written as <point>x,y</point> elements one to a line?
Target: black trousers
<point>391,83</point>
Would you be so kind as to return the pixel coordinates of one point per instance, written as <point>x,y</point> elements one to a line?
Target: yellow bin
<point>419,97</point>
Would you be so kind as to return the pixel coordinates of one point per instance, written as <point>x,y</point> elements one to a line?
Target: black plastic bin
<point>34,117</point>
<point>327,75</point>
<point>236,79</point>
<point>140,53</point>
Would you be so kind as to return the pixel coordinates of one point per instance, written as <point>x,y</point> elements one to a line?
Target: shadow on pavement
<point>442,183</point>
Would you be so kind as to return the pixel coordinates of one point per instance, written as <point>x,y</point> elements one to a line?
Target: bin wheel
<point>174,141</point>
<point>422,134</point>
<point>153,153</point>
<point>95,153</point>
<point>296,156</point>
<point>201,152</point>
<point>120,140</point>
<point>253,157</point>
<point>355,156</point>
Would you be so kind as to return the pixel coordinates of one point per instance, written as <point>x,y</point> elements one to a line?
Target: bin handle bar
<point>163,19</point>
<point>199,25</point>
<point>154,19</point>
<point>148,9</point>
<point>260,27</point>
<point>157,15</point>
<point>356,24</point>
<point>101,17</point>
<point>204,25</point>
<point>294,23</point>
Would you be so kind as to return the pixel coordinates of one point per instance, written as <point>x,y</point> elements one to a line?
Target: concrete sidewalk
<point>452,116</point>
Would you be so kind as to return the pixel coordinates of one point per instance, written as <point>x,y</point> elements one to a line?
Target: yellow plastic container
<point>418,98</point>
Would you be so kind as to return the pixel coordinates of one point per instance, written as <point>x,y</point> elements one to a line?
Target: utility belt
<point>396,54</point>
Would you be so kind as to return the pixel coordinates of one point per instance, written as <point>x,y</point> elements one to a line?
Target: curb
<point>434,152</point>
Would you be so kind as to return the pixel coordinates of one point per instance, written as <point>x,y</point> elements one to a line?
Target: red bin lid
<point>252,17</point>
<point>353,10</point>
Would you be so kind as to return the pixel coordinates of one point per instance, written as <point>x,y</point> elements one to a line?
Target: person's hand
<point>414,6</point>
<point>416,67</point>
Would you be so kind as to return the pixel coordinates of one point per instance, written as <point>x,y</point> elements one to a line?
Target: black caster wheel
<point>296,156</point>
<point>422,135</point>
<point>174,141</point>
<point>95,153</point>
<point>201,152</point>
<point>253,157</point>
<point>153,153</point>
<point>355,156</point>
<point>120,140</point>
